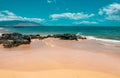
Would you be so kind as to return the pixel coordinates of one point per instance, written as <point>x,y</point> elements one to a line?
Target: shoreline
<point>65,58</point>
<point>10,40</point>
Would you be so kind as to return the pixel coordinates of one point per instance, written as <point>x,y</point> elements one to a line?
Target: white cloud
<point>73,16</point>
<point>86,22</point>
<point>112,11</point>
<point>9,16</point>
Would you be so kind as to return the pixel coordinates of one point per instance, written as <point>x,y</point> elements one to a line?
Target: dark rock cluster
<point>68,36</point>
<point>15,39</point>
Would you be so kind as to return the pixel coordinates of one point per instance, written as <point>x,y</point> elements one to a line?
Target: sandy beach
<point>54,58</point>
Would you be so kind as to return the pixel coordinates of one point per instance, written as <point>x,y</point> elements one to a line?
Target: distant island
<point>19,23</point>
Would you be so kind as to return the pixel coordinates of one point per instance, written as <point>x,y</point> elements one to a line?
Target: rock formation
<point>15,39</point>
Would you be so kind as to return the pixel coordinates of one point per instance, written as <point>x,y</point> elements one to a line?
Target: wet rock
<point>48,36</point>
<point>14,39</point>
<point>35,36</point>
<point>81,37</point>
<point>8,43</point>
<point>27,37</point>
<point>66,36</point>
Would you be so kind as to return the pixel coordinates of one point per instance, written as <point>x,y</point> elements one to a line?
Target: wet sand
<point>54,58</point>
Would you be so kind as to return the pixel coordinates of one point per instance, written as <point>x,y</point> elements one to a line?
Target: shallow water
<point>100,32</point>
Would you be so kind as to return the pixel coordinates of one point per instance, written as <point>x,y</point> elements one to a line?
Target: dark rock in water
<point>66,36</point>
<point>35,36</point>
<point>39,37</point>
<point>81,37</point>
<point>32,36</point>
<point>48,36</point>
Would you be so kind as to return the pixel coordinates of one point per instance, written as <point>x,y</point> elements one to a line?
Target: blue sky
<point>62,12</point>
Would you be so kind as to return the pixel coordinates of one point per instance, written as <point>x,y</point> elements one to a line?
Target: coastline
<point>61,59</point>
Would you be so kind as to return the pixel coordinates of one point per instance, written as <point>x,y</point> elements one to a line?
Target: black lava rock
<point>68,36</point>
<point>14,39</point>
<point>8,44</point>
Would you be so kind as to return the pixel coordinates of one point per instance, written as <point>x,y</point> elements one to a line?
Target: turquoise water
<point>100,32</point>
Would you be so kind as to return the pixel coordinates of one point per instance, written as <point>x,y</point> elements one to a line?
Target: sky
<point>62,12</point>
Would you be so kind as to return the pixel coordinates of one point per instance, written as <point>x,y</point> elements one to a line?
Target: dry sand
<point>53,58</point>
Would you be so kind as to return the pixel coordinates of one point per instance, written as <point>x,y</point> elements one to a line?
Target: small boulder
<point>8,44</point>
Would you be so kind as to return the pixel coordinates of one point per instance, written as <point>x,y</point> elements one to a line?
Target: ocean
<point>98,32</point>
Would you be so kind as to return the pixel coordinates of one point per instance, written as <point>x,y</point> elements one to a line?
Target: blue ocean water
<point>99,32</point>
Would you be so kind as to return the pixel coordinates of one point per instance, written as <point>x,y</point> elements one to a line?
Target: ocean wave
<point>104,40</point>
<point>109,42</point>
<point>99,39</point>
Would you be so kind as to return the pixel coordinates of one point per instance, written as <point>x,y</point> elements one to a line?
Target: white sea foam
<point>99,39</point>
<point>79,33</point>
<point>109,42</point>
<point>104,40</point>
<point>1,28</point>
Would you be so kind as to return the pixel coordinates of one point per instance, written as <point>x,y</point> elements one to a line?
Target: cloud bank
<point>9,16</point>
<point>72,16</point>
<point>111,12</point>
